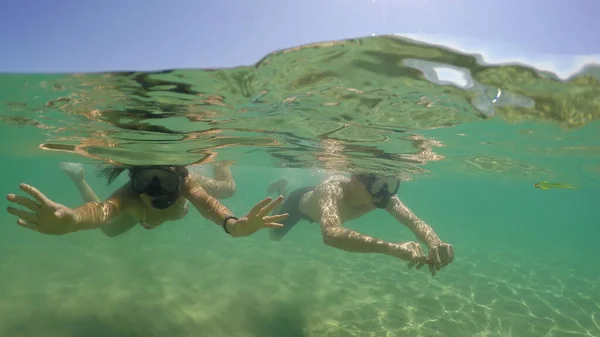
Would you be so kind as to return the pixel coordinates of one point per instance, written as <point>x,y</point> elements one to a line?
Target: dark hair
<point>113,172</point>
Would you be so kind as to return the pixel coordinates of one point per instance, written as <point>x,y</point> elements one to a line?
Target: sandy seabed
<point>251,287</point>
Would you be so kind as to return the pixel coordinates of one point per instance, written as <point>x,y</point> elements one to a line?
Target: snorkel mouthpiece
<point>160,198</point>
<point>163,202</point>
<point>383,202</point>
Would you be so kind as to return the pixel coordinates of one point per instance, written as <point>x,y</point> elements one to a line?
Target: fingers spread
<point>26,202</point>
<point>34,193</point>
<point>260,205</point>
<point>269,208</point>
<point>22,214</point>
<point>26,224</point>
<point>273,225</point>
<point>275,218</point>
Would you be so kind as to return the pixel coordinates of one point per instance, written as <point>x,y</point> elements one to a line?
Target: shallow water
<point>468,146</point>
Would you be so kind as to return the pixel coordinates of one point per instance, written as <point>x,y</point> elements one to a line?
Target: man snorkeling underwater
<point>338,199</point>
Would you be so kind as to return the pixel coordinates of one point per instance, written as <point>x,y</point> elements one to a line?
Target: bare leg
<point>222,172</point>
<point>77,174</point>
<point>278,188</point>
<point>290,206</point>
<point>223,185</point>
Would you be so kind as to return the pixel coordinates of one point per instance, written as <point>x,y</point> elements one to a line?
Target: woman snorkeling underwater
<point>152,196</point>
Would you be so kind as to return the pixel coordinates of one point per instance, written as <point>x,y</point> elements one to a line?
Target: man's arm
<point>335,235</point>
<point>422,231</point>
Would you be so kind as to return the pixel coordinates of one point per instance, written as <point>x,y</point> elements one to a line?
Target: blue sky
<point>90,35</point>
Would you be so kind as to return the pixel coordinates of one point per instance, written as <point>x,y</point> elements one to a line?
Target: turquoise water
<point>525,258</point>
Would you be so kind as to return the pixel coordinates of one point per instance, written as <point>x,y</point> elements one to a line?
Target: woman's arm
<point>207,205</point>
<point>48,217</point>
<point>92,215</point>
<point>119,225</point>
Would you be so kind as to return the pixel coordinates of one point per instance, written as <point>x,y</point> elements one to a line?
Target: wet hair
<point>110,173</point>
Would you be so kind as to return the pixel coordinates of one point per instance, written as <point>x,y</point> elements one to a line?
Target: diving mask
<point>160,183</point>
<point>382,189</point>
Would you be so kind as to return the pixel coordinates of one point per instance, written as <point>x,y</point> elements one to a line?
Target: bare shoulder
<point>122,192</point>
<point>331,186</point>
<point>123,197</point>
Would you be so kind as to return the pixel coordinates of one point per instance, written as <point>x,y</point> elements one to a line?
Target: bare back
<point>331,192</point>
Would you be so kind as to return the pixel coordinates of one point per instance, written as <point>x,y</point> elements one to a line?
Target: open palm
<point>45,217</point>
<point>258,217</point>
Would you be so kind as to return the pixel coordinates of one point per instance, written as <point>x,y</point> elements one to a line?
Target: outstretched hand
<point>45,217</point>
<point>258,217</point>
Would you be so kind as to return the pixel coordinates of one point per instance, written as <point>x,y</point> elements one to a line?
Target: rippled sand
<point>158,284</point>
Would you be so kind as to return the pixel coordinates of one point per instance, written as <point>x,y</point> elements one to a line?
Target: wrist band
<point>225,222</point>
